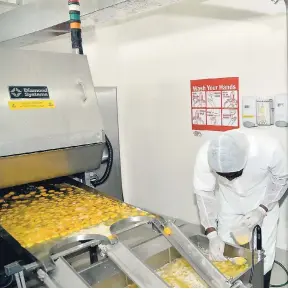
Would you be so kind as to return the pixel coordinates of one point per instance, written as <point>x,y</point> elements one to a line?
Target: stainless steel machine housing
<point>38,144</point>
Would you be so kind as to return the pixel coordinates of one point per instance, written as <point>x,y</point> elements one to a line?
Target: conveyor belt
<point>77,207</point>
<point>72,193</point>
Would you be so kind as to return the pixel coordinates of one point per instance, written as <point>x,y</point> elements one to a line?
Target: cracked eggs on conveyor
<point>40,216</point>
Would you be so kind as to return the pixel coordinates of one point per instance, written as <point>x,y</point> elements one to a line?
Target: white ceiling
<point>6,5</point>
<point>202,11</point>
<point>260,6</point>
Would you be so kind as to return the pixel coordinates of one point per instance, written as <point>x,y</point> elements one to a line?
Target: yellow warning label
<point>31,104</point>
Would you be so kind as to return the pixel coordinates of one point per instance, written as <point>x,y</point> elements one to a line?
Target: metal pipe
<point>18,282</point>
<point>22,279</point>
<point>75,26</point>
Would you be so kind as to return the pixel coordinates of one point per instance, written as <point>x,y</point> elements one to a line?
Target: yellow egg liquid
<point>242,240</point>
<point>229,269</point>
<point>45,214</point>
<point>179,273</point>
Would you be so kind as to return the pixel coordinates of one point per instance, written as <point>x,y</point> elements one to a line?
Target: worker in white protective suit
<point>239,179</point>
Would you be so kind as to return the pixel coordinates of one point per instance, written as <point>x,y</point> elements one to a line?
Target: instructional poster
<point>215,104</point>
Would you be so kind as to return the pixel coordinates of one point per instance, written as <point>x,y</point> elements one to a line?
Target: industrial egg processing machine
<point>63,233</point>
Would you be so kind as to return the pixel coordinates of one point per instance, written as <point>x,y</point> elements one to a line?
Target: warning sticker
<point>33,104</point>
<point>215,104</point>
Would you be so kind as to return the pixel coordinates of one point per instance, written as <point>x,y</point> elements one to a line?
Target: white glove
<point>254,218</point>
<point>216,247</point>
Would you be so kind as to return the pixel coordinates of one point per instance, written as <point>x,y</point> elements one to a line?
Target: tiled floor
<point>278,274</point>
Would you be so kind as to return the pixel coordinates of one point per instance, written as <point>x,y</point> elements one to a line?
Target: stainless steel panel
<point>133,267</point>
<point>66,277</point>
<point>104,274</point>
<point>162,258</point>
<point>142,234</point>
<point>23,169</point>
<point>234,251</point>
<point>107,100</point>
<point>129,224</point>
<point>148,249</point>
<point>156,252</point>
<point>194,257</point>
<point>75,121</point>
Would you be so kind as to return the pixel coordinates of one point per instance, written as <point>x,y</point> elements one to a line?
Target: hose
<point>286,271</point>
<point>103,179</point>
<point>5,281</point>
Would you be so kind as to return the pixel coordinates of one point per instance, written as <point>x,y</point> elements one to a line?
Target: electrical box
<point>264,112</point>
<point>281,110</point>
<point>249,112</point>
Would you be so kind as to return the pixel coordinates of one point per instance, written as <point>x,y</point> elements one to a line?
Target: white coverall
<point>264,181</point>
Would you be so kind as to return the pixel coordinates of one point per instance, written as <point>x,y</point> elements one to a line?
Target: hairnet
<point>228,152</point>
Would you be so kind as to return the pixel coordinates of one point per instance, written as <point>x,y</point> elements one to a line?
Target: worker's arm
<point>204,189</point>
<point>208,215</point>
<point>278,183</point>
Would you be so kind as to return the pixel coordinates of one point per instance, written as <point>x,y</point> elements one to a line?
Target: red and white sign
<point>215,104</point>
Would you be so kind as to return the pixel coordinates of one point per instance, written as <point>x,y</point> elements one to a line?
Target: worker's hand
<point>254,218</point>
<point>216,247</point>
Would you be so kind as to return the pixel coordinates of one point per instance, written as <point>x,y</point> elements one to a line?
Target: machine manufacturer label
<point>33,104</point>
<point>28,92</point>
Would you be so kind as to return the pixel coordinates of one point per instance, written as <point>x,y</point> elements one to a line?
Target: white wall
<point>151,60</point>
<point>156,66</point>
<point>100,47</point>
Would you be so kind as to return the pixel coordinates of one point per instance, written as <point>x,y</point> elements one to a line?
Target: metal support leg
<point>17,278</point>
<point>17,270</point>
<point>93,254</point>
<point>20,280</point>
